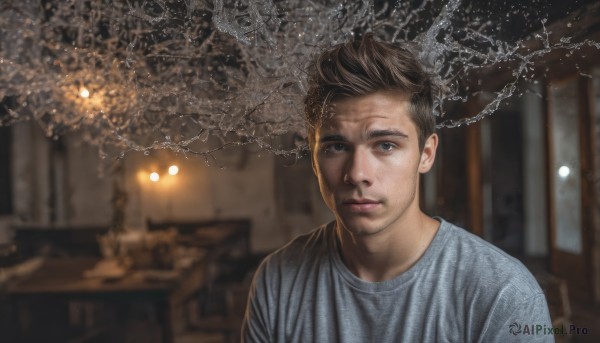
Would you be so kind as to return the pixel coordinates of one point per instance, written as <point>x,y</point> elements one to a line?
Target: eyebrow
<point>385,133</point>
<point>333,138</point>
<point>370,135</point>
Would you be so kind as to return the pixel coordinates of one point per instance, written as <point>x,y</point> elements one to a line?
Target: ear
<point>428,154</point>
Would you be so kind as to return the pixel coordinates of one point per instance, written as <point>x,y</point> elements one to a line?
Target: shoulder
<point>302,251</point>
<point>273,283</point>
<point>497,287</point>
<point>486,265</point>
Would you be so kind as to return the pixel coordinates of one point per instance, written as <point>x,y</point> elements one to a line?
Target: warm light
<point>84,93</point>
<point>564,171</point>
<point>173,170</point>
<point>154,177</point>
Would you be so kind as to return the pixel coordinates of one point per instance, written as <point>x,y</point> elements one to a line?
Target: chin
<point>361,226</point>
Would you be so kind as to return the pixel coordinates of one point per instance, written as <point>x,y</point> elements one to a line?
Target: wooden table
<point>61,279</point>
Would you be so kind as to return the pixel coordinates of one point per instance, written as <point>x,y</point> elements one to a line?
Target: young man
<point>384,271</point>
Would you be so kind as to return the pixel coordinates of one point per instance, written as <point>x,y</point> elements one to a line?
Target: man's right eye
<point>335,148</point>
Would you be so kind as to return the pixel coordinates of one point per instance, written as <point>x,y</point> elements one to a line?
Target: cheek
<point>326,189</point>
<point>406,162</point>
<point>326,177</point>
<point>328,168</point>
<point>400,173</point>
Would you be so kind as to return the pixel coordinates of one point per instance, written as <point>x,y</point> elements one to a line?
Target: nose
<point>358,168</point>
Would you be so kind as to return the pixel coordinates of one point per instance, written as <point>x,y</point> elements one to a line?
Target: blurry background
<point>143,178</point>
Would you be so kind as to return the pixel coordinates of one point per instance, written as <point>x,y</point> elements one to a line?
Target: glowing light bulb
<point>173,170</point>
<point>154,177</point>
<point>564,171</point>
<point>84,93</point>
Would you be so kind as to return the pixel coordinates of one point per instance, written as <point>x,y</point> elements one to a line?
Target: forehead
<point>381,108</point>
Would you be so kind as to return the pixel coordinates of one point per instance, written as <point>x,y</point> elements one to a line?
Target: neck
<point>390,252</point>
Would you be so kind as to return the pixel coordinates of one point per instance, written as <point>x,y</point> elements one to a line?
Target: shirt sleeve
<point>528,322</point>
<point>255,326</point>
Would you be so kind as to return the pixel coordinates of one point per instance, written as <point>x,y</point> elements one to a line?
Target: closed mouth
<point>362,206</point>
<point>359,202</point>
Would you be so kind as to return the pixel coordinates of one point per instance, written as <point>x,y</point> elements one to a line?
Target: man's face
<point>367,160</point>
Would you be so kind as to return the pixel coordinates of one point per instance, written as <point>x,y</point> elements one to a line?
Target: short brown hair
<point>364,67</point>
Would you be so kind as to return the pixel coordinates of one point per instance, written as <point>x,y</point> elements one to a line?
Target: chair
<point>224,304</point>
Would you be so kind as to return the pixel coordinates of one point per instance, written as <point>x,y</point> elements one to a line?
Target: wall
<point>202,191</point>
<point>79,191</point>
<point>88,192</point>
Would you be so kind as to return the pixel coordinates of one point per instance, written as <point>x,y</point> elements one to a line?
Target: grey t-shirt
<point>462,289</point>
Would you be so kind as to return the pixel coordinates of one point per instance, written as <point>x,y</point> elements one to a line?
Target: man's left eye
<point>386,146</point>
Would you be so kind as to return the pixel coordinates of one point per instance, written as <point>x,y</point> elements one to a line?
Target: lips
<point>361,205</point>
<point>360,201</point>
